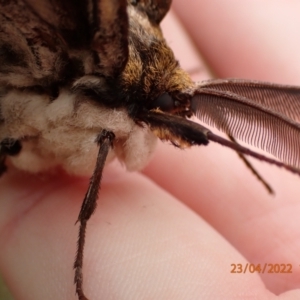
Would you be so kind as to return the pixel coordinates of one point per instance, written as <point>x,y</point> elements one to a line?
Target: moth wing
<point>31,51</point>
<point>70,18</point>
<point>250,122</point>
<point>45,42</point>
<point>99,27</point>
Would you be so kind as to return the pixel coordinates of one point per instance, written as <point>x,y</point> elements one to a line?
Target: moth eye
<point>164,102</point>
<point>10,147</point>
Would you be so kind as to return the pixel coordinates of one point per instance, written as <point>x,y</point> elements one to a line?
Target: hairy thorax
<point>59,95</point>
<point>63,132</point>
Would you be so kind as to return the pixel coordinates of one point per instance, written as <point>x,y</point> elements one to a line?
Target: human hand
<point>150,241</point>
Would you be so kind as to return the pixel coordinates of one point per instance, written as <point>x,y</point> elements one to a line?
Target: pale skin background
<point>172,231</point>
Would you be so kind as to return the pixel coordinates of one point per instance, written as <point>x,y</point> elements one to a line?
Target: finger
<point>141,243</point>
<point>249,224</point>
<point>253,39</point>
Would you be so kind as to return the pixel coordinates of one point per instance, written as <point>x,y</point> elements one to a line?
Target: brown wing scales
<point>36,54</point>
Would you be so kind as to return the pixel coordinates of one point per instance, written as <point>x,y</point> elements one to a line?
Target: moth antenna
<point>252,169</point>
<point>105,141</point>
<point>284,99</point>
<point>226,125</point>
<point>241,149</point>
<point>250,122</point>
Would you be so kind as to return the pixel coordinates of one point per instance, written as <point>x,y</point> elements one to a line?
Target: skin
<point>173,230</point>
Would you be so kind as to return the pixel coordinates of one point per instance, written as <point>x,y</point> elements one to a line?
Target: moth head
<point>132,65</point>
<point>152,77</point>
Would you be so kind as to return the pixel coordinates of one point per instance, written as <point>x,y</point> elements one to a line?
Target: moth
<point>83,82</point>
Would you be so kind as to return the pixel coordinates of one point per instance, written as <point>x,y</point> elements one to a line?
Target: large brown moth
<point>84,81</point>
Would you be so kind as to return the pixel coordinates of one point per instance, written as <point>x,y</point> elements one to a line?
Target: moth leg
<point>2,162</point>
<point>9,147</point>
<point>252,169</point>
<point>105,141</point>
